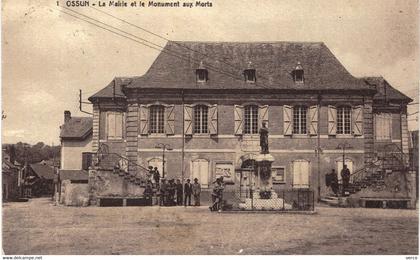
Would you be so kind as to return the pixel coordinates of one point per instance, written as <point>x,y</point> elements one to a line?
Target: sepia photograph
<point>219,127</point>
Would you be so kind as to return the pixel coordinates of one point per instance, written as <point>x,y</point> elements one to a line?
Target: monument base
<point>256,203</point>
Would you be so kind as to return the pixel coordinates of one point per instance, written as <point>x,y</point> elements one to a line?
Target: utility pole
<point>183,140</point>
<point>164,147</point>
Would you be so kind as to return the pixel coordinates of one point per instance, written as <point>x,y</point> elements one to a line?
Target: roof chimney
<point>67,116</point>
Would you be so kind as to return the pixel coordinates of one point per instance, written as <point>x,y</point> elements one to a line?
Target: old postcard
<point>180,127</point>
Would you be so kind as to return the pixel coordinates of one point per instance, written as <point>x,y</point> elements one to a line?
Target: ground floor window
<point>200,170</point>
<point>300,174</point>
<point>383,126</point>
<point>339,167</point>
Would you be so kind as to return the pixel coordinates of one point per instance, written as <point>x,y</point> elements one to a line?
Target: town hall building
<point>197,111</point>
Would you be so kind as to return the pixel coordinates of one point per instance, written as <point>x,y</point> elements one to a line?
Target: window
<point>251,120</point>
<point>200,119</point>
<point>300,174</point>
<point>250,75</point>
<point>344,120</point>
<point>200,170</point>
<point>156,119</point>
<point>299,120</point>
<point>298,74</point>
<point>114,125</point>
<point>202,75</point>
<point>278,174</point>
<point>383,126</point>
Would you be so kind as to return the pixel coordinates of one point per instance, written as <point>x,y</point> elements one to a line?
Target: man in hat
<point>187,192</point>
<point>156,176</point>
<point>178,192</point>
<point>196,188</point>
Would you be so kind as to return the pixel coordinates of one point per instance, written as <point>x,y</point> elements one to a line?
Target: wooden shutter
<point>357,120</point>
<point>332,120</point>
<point>144,120</point>
<point>239,119</point>
<point>313,120</point>
<point>102,125</point>
<point>188,115</point>
<point>212,119</point>
<point>170,120</point>
<point>118,124</point>
<point>263,115</point>
<point>110,125</point>
<point>287,120</point>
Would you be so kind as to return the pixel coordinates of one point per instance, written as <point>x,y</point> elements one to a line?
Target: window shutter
<point>263,115</point>
<point>118,125</point>
<point>357,119</point>
<point>239,119</point>
<point>287,120</point>
<point>332,120</point>
<point>144,120</point>
<point>212,119</point>
<point>188,115</point>
<point>110,124</point>
<point>170,120</point>
<point>313,120</point>
<point>102,125</point>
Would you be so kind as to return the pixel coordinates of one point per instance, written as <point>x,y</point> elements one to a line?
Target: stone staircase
<point>384,178</point>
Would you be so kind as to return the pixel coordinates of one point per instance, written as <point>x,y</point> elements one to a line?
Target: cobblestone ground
<point>38,227</point>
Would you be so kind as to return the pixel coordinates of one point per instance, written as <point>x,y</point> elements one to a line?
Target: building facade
<point>207,102</point>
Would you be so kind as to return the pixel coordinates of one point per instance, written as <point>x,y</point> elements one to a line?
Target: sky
<point>47,56</point>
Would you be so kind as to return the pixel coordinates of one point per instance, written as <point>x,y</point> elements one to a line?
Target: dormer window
<point>298,74</point>
<point>201,73</point>
<point>250,74</point>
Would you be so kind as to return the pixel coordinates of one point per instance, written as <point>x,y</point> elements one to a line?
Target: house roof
<point>225,61</point>
<point>7,165</point>
<point>109,92</point>
<point>385,91</point>
<point>77,128</point>
<point>43,171</point>
<point>73,175</point>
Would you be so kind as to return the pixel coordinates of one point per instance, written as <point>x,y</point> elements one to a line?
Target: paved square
<point>38,227</point>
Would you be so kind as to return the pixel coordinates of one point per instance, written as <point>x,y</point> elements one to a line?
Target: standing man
<point>156,176</point>
<point>334,182</point>
<point>163,193</point>
<point>345,176</point>
<point>196,188</point>
<point>187,192</point>
<point>178,192</point>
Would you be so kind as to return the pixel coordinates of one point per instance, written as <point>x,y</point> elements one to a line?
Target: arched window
<point>344,120</point>
<point>299,120</point>
<point>201,119</point>
<point>157,162</point>
<point>298,74</point>
<point>251,119</point>
<point>201,73</point>
<point>157,120</point>
<point>339,166</point>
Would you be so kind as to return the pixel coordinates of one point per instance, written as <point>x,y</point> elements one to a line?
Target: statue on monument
<point>264,138</point>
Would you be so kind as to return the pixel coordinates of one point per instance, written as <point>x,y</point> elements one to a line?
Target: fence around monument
<point>298,199</point>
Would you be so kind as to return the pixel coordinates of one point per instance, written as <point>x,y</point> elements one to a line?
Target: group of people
<point>331,180</point>
<point>171,192</point>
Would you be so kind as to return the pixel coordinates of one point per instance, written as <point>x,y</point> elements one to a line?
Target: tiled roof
<point>385,91</point>
<point>43,171</point>
<point>108,91</point>
<point>273,61</point>
<point>77,128</point>
<point>74,175</point>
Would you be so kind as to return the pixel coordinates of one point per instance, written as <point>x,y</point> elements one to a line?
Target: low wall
<point>74,194</point>
<point>106,183</point>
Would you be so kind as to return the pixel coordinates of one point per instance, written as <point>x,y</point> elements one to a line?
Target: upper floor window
<point>299,120</point>
<point>298,74</point>
<point>201,73</point>
<point>250,73</point>
<point>344,120</point>
<point>114,125</point>
<point>200,119</point>
<point>251,120</point>
<point>157,119</point>
<point>383,126</point>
